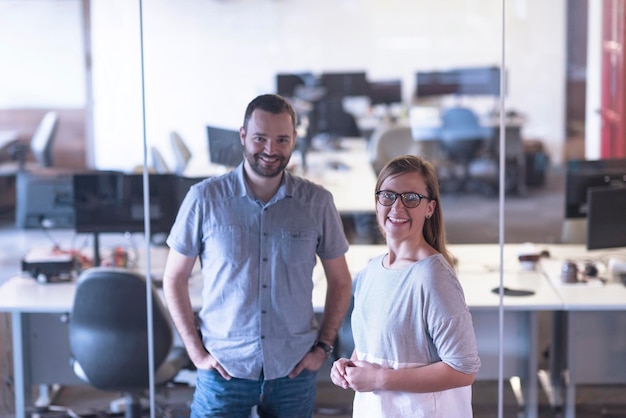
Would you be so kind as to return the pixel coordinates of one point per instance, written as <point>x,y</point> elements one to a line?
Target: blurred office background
<point>116,73</point>
<point>204,60</point>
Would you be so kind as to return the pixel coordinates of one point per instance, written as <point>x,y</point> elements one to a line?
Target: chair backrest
<point>108,329</point>
<point>158,162</point>
<point>461,134</point>
<point>182,153</point>
<point>390,142</point>
<point>459,123</point>
<point>41,142</point>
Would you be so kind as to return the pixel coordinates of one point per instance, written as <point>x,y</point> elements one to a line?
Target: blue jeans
<point>279,398</point>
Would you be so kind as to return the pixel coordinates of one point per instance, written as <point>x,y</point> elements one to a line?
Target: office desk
<point>41,350</point>
<point>593,326</point>
<point>41,347</point>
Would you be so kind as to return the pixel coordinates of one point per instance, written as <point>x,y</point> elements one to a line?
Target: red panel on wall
<point>613,141</point>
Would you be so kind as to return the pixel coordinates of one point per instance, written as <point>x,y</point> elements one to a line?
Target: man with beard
<point>257,231</point>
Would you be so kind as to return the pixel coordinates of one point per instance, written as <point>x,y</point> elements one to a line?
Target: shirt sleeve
<point>450,322</point>
<point>185,236</point>
<point>333,242</point>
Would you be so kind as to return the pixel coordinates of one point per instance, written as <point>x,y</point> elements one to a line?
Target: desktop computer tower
<point>44,200</point>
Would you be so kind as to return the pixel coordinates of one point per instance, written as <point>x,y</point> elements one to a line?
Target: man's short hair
<point>272,103</point>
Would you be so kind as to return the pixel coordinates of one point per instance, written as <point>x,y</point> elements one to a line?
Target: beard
<point>258,166</point>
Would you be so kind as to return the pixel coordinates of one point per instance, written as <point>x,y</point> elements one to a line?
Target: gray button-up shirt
<point>257,261</point>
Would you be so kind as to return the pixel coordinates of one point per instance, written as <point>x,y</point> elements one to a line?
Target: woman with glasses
<point>415,349</point>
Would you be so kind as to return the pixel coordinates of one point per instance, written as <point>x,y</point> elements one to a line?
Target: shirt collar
<point>286,188</point>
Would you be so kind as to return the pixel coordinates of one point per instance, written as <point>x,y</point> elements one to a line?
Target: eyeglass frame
<point>395,198</point>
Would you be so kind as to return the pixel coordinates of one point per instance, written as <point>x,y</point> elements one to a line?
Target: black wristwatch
<point>328,349</point>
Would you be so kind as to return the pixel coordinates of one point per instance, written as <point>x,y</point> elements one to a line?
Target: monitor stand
<point>96,249</point>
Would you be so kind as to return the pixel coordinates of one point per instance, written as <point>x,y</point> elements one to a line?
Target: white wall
<point>205,59</point>
<point>118,117</point>
<point>41,54</point>
<point>536,56</point>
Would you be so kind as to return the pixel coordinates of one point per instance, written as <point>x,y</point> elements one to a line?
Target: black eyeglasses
<point>409,199</point>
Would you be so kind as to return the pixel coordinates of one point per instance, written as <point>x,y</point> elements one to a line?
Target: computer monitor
<point>435,83</point>
<point>44,200</point>
<point>471,81</point>
<point>606,218</point>
<point>479,81</point>
<point>224,146</point>
<point>581,175</point>
<point>287,83</point>
<point>344,84</point>
<point>385,92</point>
<point>113,202</point>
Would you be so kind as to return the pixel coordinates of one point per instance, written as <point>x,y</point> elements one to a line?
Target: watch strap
<point>328,349</point>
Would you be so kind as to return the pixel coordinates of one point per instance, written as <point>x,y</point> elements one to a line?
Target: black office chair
<point>108,335</point>
<point>462,138</point>
<point>332,119</point>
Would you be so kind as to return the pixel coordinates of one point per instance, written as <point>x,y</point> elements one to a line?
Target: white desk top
<point>353,186</point>
<point>479,295</point>
<point>25,294</point>
<point>593,295</point>
<point>472,258</point>
<point>581,296</point>
<point>478,271</point>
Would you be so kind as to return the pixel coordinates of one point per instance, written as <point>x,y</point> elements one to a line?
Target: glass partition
<point>204,61</point>
<point>159,70</point>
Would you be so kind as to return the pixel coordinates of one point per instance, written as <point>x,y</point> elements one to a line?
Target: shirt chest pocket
<point>298,246</point>
<point>230,242</point>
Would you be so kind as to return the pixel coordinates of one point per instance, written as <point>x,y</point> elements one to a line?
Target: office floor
<point>469,218</point>
<point>595,402</point>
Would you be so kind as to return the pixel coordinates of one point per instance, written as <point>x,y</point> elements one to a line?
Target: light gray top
<point>412,317</point>
<point>257,261</point>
